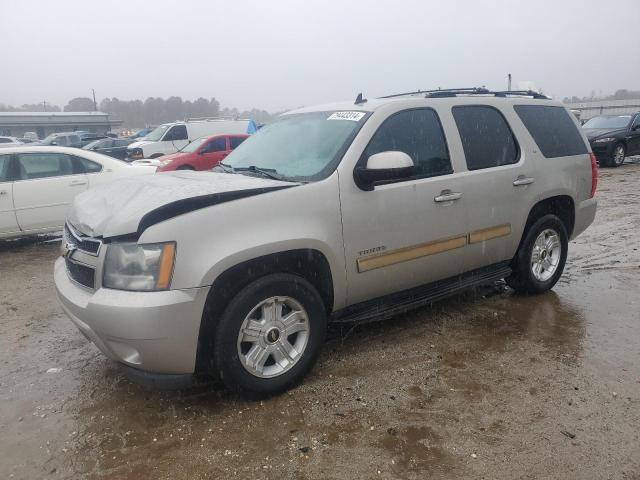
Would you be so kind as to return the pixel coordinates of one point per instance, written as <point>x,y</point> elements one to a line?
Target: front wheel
<point>540,260</point>
<point>618,155</point>
<point>270,334</point>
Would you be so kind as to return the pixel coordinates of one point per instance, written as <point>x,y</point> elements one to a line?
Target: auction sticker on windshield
<point>353,116</point>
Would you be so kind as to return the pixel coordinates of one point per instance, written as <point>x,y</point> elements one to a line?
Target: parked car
<point>9,142</point>
<point>201,154</point>
<point>33,136</point>
<point>37,185</point>
<point>171,137</point>
<point>613,137</point>
<point>26,140</point>
<point>140,134</point>
<point>114,147</point>
<point>61,139</point>
<point>89,137</point>
<point>342,212</point>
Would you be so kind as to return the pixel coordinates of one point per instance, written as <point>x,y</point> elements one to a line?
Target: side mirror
<point>383,166</point>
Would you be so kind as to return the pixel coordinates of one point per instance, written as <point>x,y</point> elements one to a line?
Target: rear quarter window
<point>552,129</point>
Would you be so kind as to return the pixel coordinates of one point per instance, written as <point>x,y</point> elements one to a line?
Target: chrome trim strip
<point>410,253</point>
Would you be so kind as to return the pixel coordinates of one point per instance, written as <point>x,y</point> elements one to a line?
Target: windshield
<point>156,134</point>
<point>619,121</point>
<point>301,147</point>
<point>193,146</point>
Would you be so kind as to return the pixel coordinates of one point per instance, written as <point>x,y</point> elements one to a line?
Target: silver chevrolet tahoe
<point>336,213</point>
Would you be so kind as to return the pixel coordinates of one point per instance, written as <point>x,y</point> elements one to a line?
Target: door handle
<point>77,183</point>
<point>447,196</point>
<point>522,180</point>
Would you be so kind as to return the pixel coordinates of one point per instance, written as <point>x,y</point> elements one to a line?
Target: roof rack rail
<point>210,119</point>
<point>453,92</point>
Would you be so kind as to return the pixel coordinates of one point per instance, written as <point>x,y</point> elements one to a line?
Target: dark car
<point>114,147</point>
<point>613,137</point>
<point>88,137</point>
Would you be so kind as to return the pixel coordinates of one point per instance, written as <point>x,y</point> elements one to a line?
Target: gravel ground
<point>483,385</point>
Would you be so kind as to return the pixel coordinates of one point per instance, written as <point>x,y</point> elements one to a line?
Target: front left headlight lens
<point>142,268</point>
<point>603,140</point>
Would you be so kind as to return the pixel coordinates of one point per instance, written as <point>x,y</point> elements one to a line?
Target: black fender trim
<point>186,205</point>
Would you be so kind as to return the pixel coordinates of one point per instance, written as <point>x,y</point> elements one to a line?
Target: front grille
<point>81,273</point>
<point>86,244</point>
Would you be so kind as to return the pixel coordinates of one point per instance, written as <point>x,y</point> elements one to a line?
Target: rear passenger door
<point>8,222</point>
<point>497,187</point>
<point>45,188</point>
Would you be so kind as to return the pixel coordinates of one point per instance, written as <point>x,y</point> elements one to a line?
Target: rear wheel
<point>270,334</point>
<point>540,260</point>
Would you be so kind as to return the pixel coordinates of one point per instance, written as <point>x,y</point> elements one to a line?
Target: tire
<point>264,340</point>
<point>617,158</point>
<point>530,277</point>
<point>185,167</point>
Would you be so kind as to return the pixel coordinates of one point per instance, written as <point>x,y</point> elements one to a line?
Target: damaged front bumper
<point>155,333</point>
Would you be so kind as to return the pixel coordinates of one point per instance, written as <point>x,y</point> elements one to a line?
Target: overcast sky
<point>276,55</point>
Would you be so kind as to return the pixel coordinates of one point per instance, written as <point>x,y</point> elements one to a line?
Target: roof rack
<point>454,92</point>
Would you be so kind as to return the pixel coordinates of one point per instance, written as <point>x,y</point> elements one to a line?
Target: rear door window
<point>486,137</point>
<point>4,167</point>
<point>44,165</point>
<point>235,141</point>
<point>552,129</point>
<point>87,166</point>
<point>417,133</point>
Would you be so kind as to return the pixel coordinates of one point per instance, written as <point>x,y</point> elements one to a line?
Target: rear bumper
<point>155,332</point>
<point>585,214</point>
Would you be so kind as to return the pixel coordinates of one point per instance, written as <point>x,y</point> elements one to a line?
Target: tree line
<point>152,111</point>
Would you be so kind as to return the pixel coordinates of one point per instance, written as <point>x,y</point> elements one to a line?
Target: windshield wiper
<point>265,172</point>
<point>225,168</point>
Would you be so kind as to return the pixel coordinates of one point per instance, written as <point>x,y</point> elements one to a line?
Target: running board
<point>391,305</point>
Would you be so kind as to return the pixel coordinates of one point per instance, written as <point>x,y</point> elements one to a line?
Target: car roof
<point>420,100</point>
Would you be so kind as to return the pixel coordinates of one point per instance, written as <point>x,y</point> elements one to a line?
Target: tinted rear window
<point>486,137</point>
<point>552,129</point>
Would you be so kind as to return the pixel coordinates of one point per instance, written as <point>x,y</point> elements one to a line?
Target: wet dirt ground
<point>482,385</point>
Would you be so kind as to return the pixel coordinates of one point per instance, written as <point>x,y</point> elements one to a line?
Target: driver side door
<point>212,153</point>
<point>634,137</point>
<point>406,232</point>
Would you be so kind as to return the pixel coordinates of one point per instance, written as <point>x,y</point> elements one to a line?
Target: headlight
<point>603,140</point>
<point>129,266</point>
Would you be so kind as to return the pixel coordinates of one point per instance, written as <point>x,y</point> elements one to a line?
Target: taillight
<point>594,175</point>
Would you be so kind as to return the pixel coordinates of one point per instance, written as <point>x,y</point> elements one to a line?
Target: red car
<point>203,153</point>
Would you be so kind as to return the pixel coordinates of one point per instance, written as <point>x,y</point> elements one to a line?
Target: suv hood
<point>131,205</point>
<point>593,133</point>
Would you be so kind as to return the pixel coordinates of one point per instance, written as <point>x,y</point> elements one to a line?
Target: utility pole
<point>44,105</point>
<point>509,82</point>
<point>95,105</point>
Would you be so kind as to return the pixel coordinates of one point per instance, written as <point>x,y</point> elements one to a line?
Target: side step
<point>401,302</point>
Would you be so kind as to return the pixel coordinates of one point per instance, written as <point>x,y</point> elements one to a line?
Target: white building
<point>15,124</point>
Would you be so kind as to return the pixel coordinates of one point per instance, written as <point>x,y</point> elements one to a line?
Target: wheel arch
<point>310,264</point>
<point>562,206</point>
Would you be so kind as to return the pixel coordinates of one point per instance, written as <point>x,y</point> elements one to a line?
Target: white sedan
<point>38,184</point>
